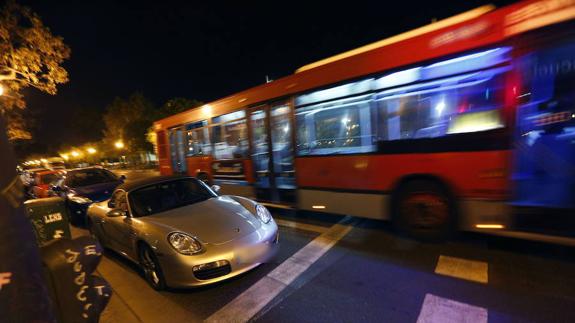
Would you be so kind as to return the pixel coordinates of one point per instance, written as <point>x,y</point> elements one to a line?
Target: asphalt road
<point>334,269</point>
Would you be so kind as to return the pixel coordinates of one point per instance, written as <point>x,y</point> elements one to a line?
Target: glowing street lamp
<point>91,150</point>
<point>75,154</point>
<point>119,144</point>
<point>65,156</point>
<point>1,89</point>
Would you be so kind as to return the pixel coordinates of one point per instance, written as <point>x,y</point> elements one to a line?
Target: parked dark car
<point>84,186</point>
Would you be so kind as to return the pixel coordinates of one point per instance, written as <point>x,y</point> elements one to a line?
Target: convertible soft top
<point>134,184</point>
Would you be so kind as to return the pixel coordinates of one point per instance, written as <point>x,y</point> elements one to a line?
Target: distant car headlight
<point>263,214</point>
<point>184,244</point>
<point>79,199</point>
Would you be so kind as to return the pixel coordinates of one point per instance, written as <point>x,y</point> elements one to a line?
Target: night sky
<point>199,50</point>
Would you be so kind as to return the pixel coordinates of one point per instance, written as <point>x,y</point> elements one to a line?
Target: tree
<point>171,107</point>
<point>128,120</point>
<point>30,56</point>
<point>175,106</point>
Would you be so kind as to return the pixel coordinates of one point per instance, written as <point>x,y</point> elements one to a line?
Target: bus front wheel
<point>424,210</point>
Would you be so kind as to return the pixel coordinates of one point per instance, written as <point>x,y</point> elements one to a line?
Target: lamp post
<point>120,146</point>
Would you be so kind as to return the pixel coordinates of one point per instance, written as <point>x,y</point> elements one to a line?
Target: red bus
<point>465,123</point>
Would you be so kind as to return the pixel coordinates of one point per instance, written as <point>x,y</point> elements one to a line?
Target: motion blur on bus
<point>464,124</point>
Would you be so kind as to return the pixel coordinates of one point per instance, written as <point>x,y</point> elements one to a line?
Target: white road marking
<point>254,299</point>
<point>301,226</point>
<point>462,268</point>
<point>436,309</point>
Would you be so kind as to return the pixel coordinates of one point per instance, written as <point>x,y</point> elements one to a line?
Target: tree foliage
<point>175,106</point>
<point>127,120</point>
<point>30,56</point>
<point>171,107</point>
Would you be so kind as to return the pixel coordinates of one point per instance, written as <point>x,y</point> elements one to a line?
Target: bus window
<point>198,139</point>
<point>282,146</point>
<point>545,138</point>
<point>230,137</point>
<point>336,127</point>
<point>467,103</point>
<point>241,114</point>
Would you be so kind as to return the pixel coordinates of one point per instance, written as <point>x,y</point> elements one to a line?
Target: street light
<point>1,89</point>
<point>75,154</point>
<point>119,144</point>
<point>91,150</point>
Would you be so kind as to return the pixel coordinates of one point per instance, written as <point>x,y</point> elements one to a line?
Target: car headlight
<point>263,214</point>
<point>184,244</point>
<point>79,199</point>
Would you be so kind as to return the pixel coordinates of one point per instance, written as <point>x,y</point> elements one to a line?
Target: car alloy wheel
<point>151,268</point>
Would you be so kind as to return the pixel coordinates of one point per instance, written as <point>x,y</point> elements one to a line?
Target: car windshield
<point>169,195</point>
<point>86,177</point>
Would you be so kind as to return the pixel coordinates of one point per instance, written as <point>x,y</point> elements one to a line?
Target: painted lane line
<point>254,299</point>
<point>436,309</point>
<point>301,226</point>
<point>463,268</point>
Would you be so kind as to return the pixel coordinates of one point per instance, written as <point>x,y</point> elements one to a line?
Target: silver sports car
<point>181,232</point>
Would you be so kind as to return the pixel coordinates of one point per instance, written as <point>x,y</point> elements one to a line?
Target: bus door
<point>178,150</point>
<point>544,171</point>
<point>272,152</point>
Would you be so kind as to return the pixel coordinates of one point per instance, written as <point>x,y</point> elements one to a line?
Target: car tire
<point>151,268</point>
<point>424,210</point>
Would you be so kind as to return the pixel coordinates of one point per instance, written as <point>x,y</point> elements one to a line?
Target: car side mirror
<point>216,188</point>
<point>122,177</point>
<point>116,213</point>
<point>111,205</point>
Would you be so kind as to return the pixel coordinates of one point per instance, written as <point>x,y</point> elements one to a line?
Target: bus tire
<point>423,209</point>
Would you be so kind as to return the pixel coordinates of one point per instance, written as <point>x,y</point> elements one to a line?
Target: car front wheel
<point>151,267</point>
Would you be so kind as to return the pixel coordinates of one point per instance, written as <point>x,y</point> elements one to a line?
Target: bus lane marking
<point>254,299</point>
<point>437,309</point>
<point>471,270</point>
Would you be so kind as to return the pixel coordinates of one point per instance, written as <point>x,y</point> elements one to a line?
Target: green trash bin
<point>49,218</point>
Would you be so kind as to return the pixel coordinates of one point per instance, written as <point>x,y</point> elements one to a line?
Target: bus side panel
<point>164,161</point>
<point>248,171</point>
<point>199,164</point>
<point>482,174</point>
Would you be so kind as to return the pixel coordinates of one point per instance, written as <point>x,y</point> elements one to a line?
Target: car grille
<point>212,270</point>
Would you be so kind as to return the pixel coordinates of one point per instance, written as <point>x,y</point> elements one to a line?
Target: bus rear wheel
<point>424,210</point>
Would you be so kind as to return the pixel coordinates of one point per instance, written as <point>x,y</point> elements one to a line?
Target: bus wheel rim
<point>425,210</point>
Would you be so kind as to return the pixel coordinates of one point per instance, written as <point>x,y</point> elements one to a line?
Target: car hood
<point>213,221</point>
<point>97,192</point>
